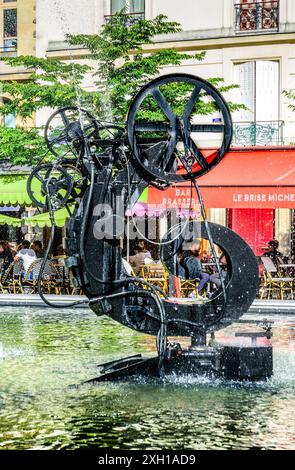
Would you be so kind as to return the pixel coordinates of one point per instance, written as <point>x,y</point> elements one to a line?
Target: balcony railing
<point>248,134</point>
<point>131,18</point>
<point>262,16</point>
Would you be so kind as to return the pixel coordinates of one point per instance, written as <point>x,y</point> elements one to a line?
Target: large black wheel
<point>67,129</point>
<point>182,141</point>
<point>50,185</point>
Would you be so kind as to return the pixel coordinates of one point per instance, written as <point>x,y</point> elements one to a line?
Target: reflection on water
<point>43,351</point>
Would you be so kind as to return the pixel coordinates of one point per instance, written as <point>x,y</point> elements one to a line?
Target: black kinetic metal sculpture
<point>101,168</point>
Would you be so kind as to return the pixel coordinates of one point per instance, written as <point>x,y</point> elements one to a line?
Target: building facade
<point>247,42</point>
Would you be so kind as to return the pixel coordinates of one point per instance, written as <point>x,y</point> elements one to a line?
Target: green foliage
<point>290,94</point>
<point>50,83</point>
<point>21,145</point>
<point>121,35</point>
<point>121,74</point>
<point>124,62</point>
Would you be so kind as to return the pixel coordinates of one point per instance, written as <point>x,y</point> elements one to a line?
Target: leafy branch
<point>124,60</point>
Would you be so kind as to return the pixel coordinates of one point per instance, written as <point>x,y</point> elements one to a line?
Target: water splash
<point>58,348</point>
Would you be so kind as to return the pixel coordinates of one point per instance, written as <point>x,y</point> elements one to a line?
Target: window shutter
<point>244,76</point>
<point>267,90</point>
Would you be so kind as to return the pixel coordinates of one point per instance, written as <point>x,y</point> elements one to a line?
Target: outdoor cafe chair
<point>61,275</point>
<point>63,278</point>
<point>49,278</point>
<point>272,283</point>
<point>11,281</point>
<point>187,287</point>
<point>156,275</point>
<point>190,286</point>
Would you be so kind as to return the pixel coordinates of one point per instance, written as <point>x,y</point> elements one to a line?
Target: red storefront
<point>250,183</point>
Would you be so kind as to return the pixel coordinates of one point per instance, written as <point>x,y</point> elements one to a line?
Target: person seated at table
<point>12,246</point>
<point>207,261</point>
<point>59,263</point>
<point>142,256</point>
<point>190,262</point>
<point>141,247</point>
<point>204,257</point>
<point>6,257</point>
<point>276,256</point>
<point>127,268</point>
<point>60,252</point>
<point>38,249</point>
<point>26,254</point>
<point>215,278</point>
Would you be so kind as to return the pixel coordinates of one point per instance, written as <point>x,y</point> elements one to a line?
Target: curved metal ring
<point>241,283</point>
<point>157,162</point>
<point>183,316</point>
<point>56,184</point>
<point>69,137</point>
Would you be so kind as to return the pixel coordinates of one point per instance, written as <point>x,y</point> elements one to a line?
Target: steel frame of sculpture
<point>101,166</point>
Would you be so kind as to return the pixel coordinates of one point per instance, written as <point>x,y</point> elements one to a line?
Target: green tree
<point>50,83</point>
<point>21,146</point>
<point>124,62</point>
<point>290,94</point>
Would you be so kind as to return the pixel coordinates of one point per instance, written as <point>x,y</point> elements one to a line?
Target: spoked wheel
<point>50,186</point>
<point>183,140</point>
<point>67,129</point>
<point>79,181</point>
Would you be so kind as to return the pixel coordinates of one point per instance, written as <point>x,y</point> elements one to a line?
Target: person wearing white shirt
<point>27,255</point>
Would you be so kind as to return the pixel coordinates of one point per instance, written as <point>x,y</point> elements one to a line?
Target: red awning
<point>245,178</point>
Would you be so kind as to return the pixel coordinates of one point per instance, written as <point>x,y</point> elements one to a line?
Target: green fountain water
<point>43,351</point>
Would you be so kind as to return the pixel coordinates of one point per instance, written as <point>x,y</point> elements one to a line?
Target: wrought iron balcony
<point>262,16</point>
<point>131,18</point>
<point>248,134</point>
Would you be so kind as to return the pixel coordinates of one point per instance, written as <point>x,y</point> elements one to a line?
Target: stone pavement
<point>33,300</point>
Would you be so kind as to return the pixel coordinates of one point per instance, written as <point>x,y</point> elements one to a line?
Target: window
<point>10,23</point>
<point>134,8</point>
<point>259,91</point>
<point>131,6</point>
<point>9,120</point>
<point>257,15</point>
<point>8,28</point>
